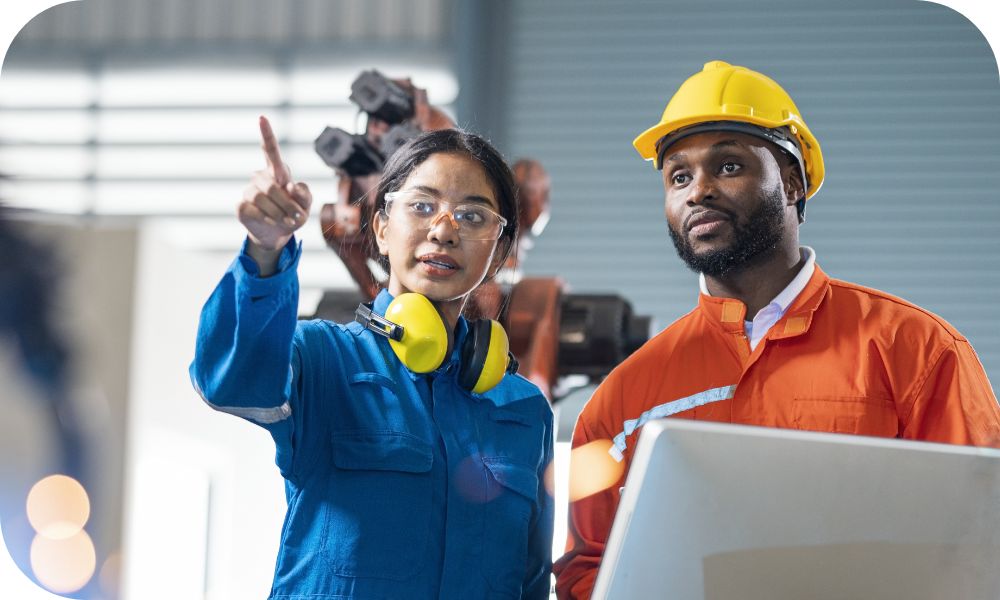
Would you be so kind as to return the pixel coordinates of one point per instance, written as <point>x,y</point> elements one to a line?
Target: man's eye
<point>680,178</point>
<point>731,167</point>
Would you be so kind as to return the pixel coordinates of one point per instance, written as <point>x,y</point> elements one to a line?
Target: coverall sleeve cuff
<point>247,273</point>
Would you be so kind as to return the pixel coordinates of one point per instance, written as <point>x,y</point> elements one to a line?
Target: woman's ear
<point>500,254</point>
<point>380,225</point>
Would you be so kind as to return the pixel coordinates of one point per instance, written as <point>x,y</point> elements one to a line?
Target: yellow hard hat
<point>728,97</point>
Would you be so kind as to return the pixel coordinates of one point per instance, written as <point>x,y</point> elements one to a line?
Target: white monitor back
<point>715,511</point>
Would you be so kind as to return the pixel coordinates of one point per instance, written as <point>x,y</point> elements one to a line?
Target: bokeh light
<point>58,507</point>
<point>471,481</point>
<point>592,469</point>
<point>110,575</point>
<point>63,565</point>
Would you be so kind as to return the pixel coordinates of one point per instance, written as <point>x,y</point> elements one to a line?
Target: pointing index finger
<point>271,151</point>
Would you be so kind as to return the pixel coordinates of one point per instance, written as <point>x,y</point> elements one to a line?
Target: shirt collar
<point>795,286</point>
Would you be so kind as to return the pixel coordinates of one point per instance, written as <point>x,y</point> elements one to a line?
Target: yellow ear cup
<point>426,340</point>
<point>495,362</point>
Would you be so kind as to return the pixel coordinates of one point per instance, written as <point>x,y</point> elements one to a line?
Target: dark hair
<point>454,141</point>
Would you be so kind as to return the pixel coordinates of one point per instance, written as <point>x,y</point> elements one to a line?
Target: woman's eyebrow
<point>436,193</point>
<point>479,200</point>
<point>427,190</point>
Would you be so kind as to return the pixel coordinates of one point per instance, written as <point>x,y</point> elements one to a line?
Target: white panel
<point>187,162</point>
<point>167,530</point>
<point>230,125</point>
<point>60,126</point>
<point>305,124</point>
<point>41,161</point>
<point>225,233</point>
<point>57,197</point>
<point>49,87</point>
<point>318,82</point>
<point>441,85</point>
<point>184,197</point>
<point>179,163</point>
<point>180,86</point>
<point>306,165</point>
<point>158,123</point>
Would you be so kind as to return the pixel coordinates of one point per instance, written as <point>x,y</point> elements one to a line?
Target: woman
<point>399,484</point>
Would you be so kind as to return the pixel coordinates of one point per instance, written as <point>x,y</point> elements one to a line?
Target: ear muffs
<point>415,328</point>
<point>485,356</point>
<point>427,341</point>
<point>420,339</point>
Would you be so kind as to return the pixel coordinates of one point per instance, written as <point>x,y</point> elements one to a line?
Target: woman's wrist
<point>265,256</point>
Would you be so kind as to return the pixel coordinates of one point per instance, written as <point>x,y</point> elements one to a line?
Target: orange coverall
<point>843,358</point>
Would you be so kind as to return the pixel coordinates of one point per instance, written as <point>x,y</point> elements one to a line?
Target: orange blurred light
<point>58,507</point>
<point>63,565</point>
<point>592,469</point>
<point>111,574</point>
<point>549,478</point>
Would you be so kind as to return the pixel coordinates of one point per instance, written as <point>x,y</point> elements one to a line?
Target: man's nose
<point>702,188</point>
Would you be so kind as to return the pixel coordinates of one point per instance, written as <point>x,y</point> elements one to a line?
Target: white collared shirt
<point>772,313</point>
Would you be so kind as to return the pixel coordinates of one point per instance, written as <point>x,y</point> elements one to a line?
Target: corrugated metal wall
<point>152,22</point>
<point>903,96</point>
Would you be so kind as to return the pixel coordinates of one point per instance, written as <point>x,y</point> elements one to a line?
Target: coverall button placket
<point>443,412</point>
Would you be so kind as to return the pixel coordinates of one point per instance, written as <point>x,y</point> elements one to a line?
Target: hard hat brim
<point>645,142</point>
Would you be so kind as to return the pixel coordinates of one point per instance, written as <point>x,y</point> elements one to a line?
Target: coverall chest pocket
<point>512,492</point>
<point>379,497</point>
<point>856,415</point>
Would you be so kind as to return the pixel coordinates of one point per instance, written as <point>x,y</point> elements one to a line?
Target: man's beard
<point>752,243</point>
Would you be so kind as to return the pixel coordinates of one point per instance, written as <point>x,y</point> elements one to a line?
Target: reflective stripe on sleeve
<point>262,416</point>
<point>665,410</point>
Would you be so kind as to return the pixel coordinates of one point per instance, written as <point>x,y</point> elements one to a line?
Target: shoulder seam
<point>931,365</point>
<point>940,321</point>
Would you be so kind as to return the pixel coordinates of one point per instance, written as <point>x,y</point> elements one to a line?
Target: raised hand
<point>273,207</point>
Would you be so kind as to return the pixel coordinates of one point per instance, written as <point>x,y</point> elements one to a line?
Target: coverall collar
<point>729,313</point>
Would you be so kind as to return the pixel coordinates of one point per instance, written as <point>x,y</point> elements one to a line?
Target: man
<point>773,341</point>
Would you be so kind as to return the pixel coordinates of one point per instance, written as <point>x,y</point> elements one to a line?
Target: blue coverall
<point>398,485</point>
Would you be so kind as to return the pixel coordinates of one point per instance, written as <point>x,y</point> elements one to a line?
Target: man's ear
<point>380,225</point>
<point>791,177</point>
